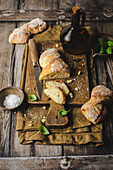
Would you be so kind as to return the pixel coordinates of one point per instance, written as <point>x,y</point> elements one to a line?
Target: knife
<point>34,57</point>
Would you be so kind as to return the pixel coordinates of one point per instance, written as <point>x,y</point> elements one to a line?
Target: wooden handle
<point>33,50</point>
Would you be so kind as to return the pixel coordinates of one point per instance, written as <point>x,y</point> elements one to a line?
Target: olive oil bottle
<point>75,36</point>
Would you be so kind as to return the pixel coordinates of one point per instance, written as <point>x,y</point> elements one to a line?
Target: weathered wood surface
<point>53,15</point>
<point>58,163</point>
<point>10,71</point>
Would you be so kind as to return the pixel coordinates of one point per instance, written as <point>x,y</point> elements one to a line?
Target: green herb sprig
<point>103,46</point>
<point>33,97</point>
<point>43,130</point>
<point>63,112</point>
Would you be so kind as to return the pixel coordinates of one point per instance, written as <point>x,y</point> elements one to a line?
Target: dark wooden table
<point>14,13</point>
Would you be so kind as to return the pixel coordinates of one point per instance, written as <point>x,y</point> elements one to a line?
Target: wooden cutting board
<point>79,87</point>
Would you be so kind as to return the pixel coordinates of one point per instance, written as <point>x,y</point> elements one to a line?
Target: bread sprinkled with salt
<point>57,69</point>
<point>94,111</point>
<point>19,36</point>
<point>102,94</point>
<point>48,56</point>
<point>35,26</point>
<point>59,84</point>
<point>55,94</point>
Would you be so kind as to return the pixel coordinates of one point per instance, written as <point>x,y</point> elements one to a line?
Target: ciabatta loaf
<point>57,69</point>
<point>55,94</point>
<point>59,84</point>
<point>35,26</point>
<point>19,36</point>
<point>102,94</point>
<point>48,56</point>
<point>94,111</point>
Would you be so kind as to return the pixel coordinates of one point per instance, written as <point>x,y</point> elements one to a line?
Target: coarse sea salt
<point>11,101</point>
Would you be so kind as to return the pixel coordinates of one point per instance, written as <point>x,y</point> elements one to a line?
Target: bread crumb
<point>44,107</point>
<point>76,88</point>
<point>30,125</point>
<point>43,120</point>
<point>71,95</point>
<point>79,73</point>
<point>57,45</point>
<point>69,81</point>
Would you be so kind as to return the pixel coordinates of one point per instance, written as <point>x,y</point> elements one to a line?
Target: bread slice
<point>56,95</point>
<point>59,84</point>
<point>57,69</point>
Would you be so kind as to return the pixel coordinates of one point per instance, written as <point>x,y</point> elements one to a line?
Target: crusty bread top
<point>35,26</point>
<point>55,94</point>
<point>19,35</point>
<point>102,94</point>
<point>92,110</point>
<point>60,84</point>
<point>57,69</point>
<point>48,56</point>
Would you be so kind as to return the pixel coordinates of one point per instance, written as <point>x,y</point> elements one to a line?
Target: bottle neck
<point>75,20</point>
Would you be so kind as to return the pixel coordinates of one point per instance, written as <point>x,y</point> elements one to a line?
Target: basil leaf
<point>102,50</point>
<point>102,42</point>
<point>33,97</point>
<point>109,50</point>
<point>63,112</point>
<point>110,43</point>
<point>43,130</point>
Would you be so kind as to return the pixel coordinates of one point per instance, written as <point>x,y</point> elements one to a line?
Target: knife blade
<point>37,70</point>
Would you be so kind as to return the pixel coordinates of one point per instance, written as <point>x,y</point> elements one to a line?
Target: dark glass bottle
<point>74,37</point>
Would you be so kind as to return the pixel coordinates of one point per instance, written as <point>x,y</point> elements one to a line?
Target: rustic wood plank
<point>76,162</point>
<point>8,4</point>
<point>51,15</point>
<point>86,4</point>
<point>5,80</point>
<point>40,4</point>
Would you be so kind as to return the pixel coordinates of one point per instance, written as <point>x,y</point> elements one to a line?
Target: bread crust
<point>57,69</point>
<point>102,94</point>
<point>21,35</point>
<point>95,110</point>
<point>35,26</point>
<point>48,56</point>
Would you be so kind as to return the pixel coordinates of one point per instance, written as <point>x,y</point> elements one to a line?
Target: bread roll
<point>35,26</point>
<point>55,94</point>
<point>57,69</point>
<point>94,111</point>
<point>102,94</point>
<point>59,84</point>
<point>19,36</point>
<point>48,56</point>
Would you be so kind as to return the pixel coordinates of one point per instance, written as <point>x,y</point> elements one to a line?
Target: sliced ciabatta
<point>59,84</point>
<point>55,94</point>
<point>57,69</point>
